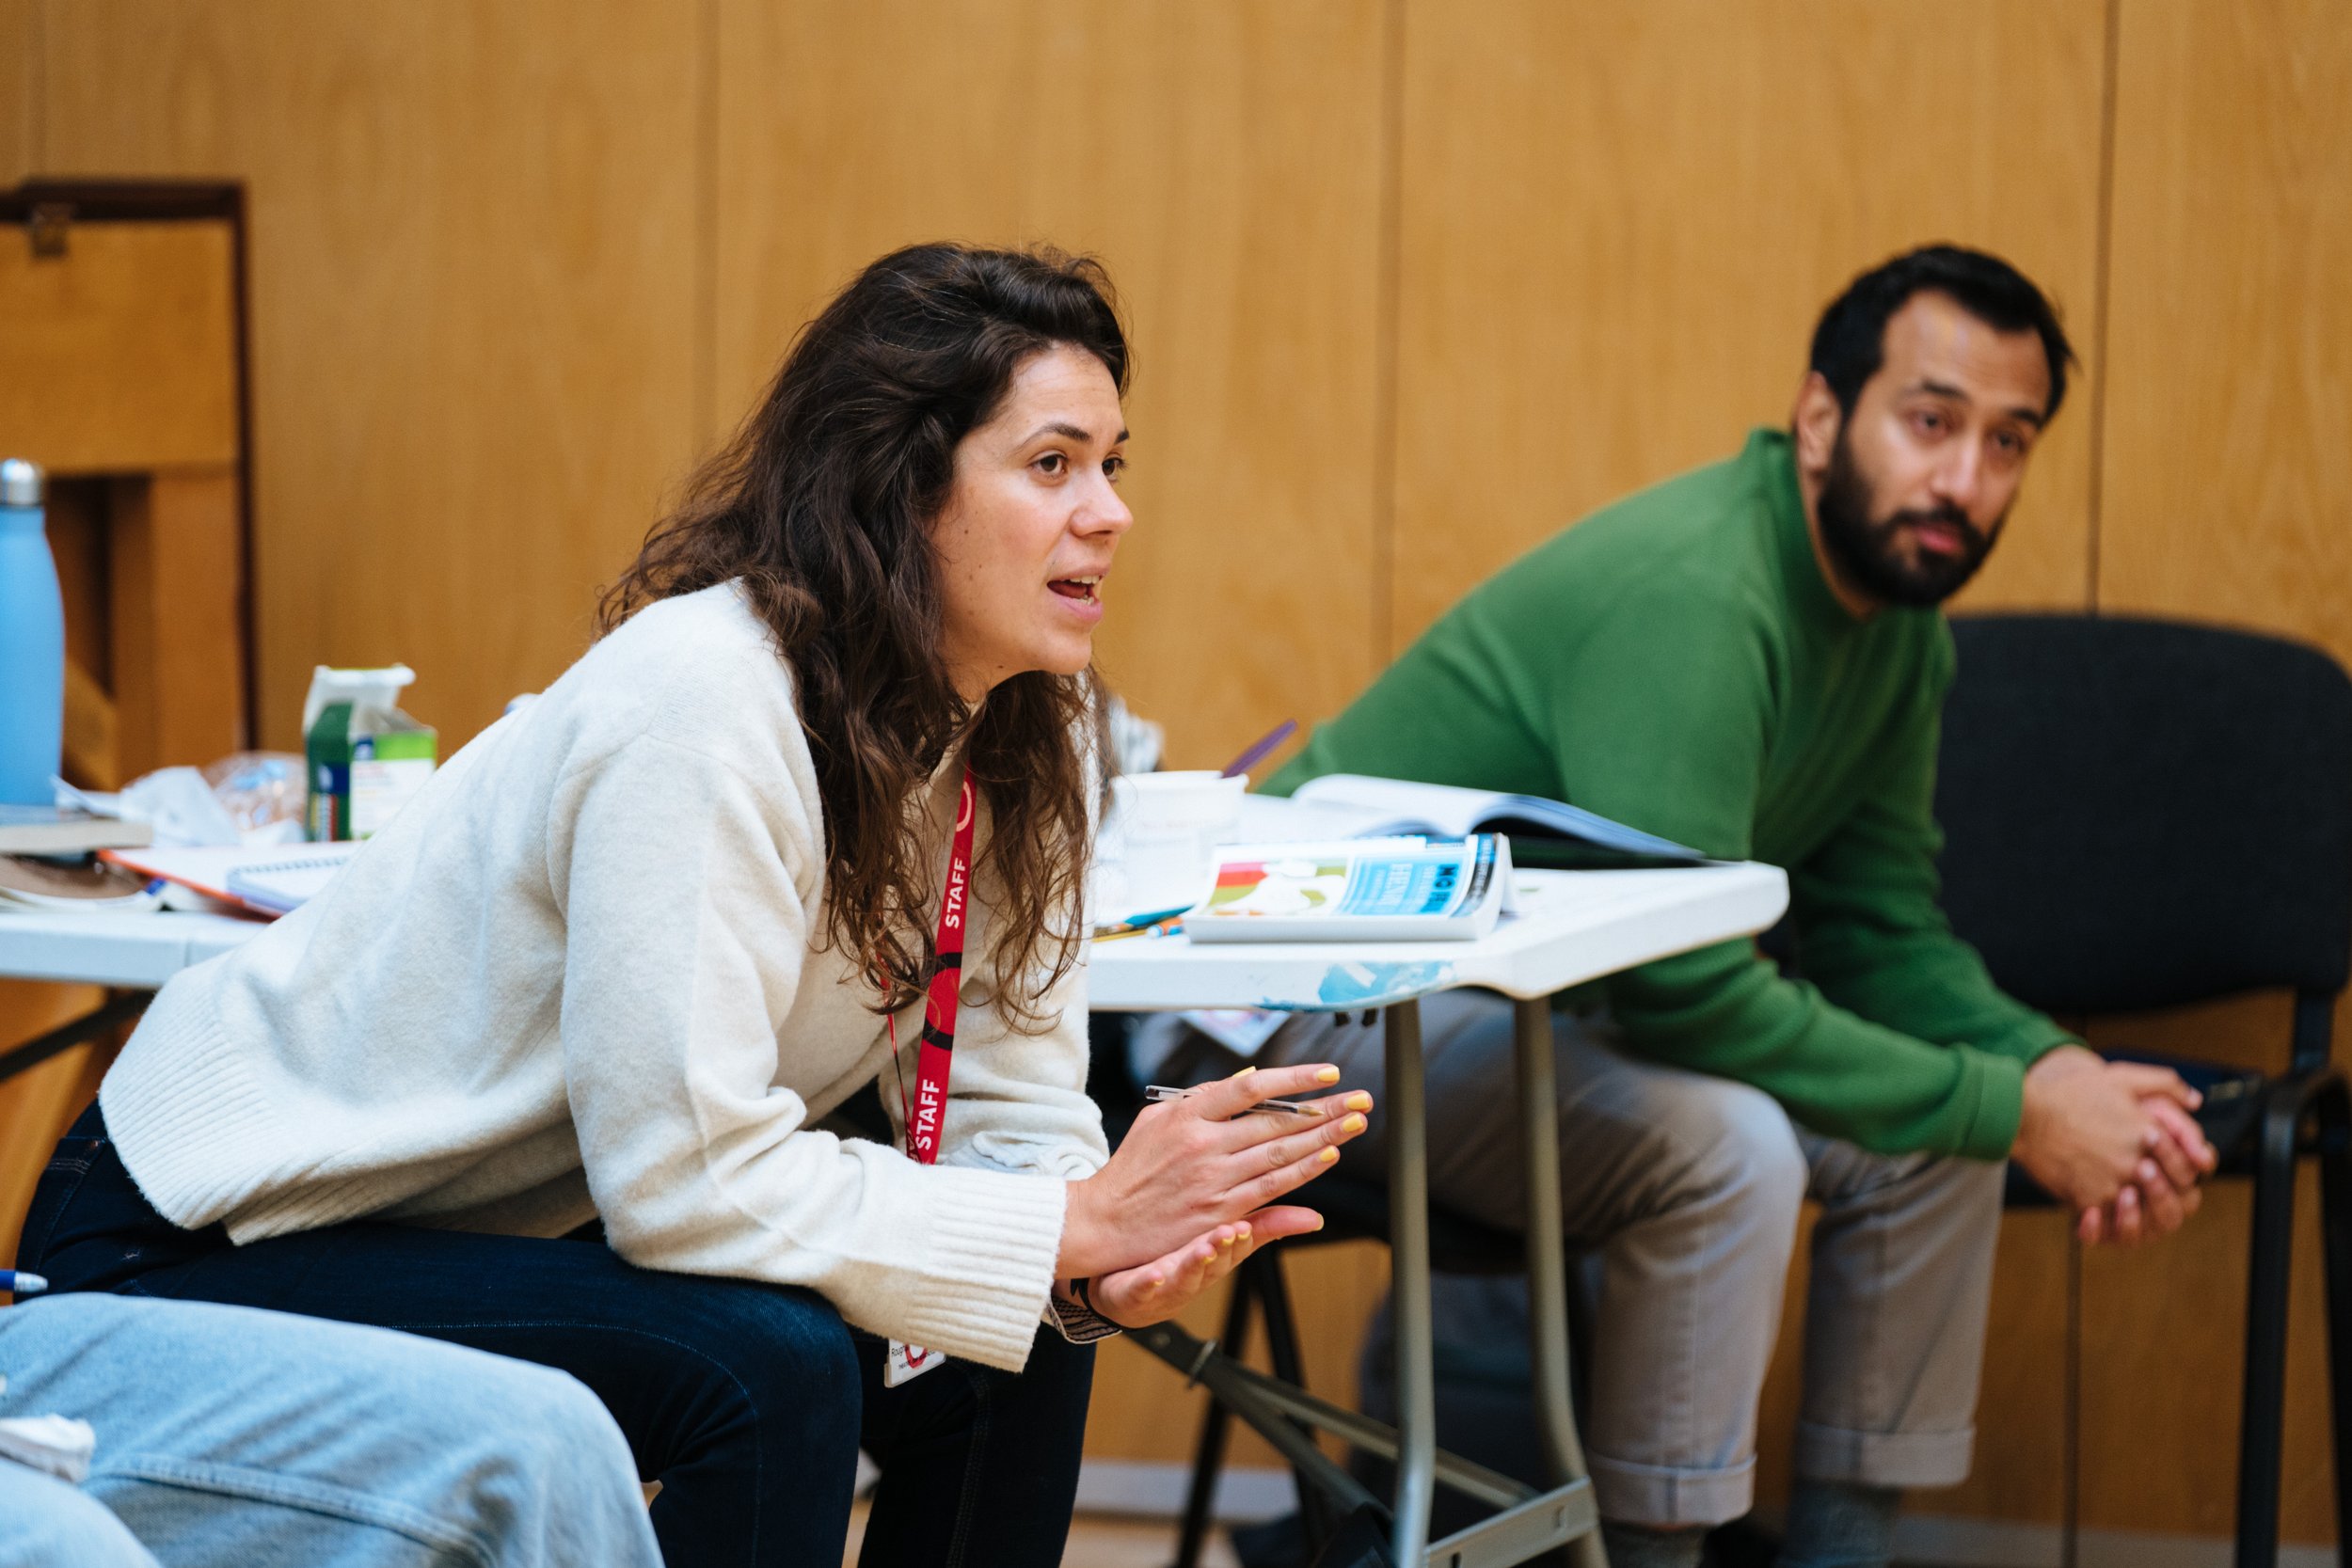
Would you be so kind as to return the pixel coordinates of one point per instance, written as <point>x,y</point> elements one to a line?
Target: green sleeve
<point>1871,930</point>
<point>1661,721</point>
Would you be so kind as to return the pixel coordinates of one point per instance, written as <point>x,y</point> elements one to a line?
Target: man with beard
<point>1749,659</point>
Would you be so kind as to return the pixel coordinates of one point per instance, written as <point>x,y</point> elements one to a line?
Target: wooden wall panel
<point>2227,497</point>
<point>473,269</point>
<point>1622,217</point>
<point>2163,1327</point>
<point>2229,471</point>
<point>121,353</point>
<point>1144,1411</point>
<point>38,1105</point>
<point>19,84</point>
<point>1223,160</point>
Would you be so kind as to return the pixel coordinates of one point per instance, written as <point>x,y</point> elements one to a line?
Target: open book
<point>1541,833</point>
<point>1356,890</point>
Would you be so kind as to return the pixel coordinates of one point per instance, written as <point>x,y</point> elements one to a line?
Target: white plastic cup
<point>1160,843</point>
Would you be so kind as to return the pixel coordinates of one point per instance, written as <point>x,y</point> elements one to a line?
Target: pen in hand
<point>1263,1108</point>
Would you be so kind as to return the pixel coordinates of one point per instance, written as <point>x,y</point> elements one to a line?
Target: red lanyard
<point>929,1109</point>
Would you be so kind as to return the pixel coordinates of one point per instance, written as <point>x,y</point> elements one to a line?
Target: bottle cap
<point>20,482</point>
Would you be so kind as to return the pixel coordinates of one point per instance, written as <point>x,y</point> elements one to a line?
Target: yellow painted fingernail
<point>1360,1100</point>
<point>1318,1222</point>
<point>1244,1073</point>
<point>1326,1156</point>
<point>1327,1076</point>
<point>1353,1124</point>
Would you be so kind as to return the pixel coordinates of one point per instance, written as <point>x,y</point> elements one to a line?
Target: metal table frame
<point>1530,1520</point>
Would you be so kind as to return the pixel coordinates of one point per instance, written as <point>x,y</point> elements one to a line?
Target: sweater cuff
<point>1992,1129</point>
<point>2031,1040</point>
<point>994,1239</point>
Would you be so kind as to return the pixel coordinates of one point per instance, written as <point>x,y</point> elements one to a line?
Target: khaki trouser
<point>1685,1190</point>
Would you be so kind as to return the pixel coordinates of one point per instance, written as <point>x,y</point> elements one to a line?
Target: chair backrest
<point>2140,812</point>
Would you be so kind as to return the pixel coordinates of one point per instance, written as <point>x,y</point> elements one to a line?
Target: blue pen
<point>17,1282</point>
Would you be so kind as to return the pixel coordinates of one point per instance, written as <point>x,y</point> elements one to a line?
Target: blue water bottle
<point>32,644</point>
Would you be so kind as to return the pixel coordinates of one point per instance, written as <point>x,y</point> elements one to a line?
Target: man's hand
<point>2113,1141</point>
<point>2084,1130</point>
<point>2164,1190</point>
<point>1193,1167</point>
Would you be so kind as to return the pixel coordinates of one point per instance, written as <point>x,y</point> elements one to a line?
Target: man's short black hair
<point>1850,344</point>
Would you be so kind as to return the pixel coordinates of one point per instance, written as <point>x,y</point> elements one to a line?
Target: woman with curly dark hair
<point>640,938</point>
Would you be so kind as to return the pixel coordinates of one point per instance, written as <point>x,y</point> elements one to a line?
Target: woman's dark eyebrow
<point>1058,428</point>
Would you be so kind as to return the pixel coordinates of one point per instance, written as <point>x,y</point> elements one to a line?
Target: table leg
<point>123,1007</point>
<point>1409,1245</point>
<point>1546,1255</point>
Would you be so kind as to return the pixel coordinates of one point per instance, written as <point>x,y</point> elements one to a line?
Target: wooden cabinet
<point>121,373</point>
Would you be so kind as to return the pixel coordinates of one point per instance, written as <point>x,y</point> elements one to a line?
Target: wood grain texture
<point>2229,469</point>
<point>176,580</point>
<point>1621,219</point>
<point>2163,1335</point>
<point>37,1106</point>
<point>2228,498</point>
<point>2164,1327</point>
<point>1143,1411</point>
<point>121,354</point>
<point>20,88</point>
<point>1221,158</point>
<point>473,259</point>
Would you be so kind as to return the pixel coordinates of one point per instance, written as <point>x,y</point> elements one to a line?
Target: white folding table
<point>1571,927</point>
<point>130,953</point>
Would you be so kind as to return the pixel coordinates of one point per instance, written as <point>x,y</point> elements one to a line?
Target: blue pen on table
<point>1136,925</point>
<point>1164,927</point>
<point>18,1283</point>
<point>1264,744</point>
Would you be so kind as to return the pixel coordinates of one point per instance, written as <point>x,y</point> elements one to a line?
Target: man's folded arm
<point>1871,930</point>
<point>1660,722</point>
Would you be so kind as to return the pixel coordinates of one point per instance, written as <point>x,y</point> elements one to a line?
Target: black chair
<point>2143,814</point>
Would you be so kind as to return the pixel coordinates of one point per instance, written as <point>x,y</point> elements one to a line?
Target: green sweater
<point>1678,663</point>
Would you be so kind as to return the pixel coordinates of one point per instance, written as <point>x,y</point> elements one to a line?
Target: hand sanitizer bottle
<point>32,644</point>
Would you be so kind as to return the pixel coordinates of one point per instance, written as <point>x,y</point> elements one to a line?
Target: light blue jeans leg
<point>252,1440</point>
<point>44,1522</point>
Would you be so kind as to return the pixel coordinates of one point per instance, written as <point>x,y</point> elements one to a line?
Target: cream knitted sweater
<point>579,976</point>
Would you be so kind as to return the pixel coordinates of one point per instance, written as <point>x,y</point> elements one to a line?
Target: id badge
<point>908,1362</point>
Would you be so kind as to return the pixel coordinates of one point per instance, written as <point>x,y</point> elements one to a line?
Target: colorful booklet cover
<point>1357,890</point>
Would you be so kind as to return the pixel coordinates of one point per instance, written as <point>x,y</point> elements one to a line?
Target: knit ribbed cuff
<point>178,1096</point>
<point>1991,1126</point>
<point>993,1241</point>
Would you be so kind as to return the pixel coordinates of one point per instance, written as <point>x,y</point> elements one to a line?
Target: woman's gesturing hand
<point>1155,1292</point>
<point>1194,1166</point>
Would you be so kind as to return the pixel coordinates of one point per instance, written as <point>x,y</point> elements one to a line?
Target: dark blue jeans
<point>747,1401</point>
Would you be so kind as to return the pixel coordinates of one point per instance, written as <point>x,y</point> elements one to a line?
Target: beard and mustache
<point>1868,550</point>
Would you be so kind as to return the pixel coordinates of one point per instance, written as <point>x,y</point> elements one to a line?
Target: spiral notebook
<point>271,881</point>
